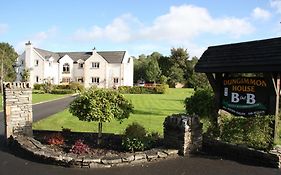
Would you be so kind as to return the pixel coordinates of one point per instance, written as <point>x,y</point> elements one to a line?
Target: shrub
<point>80,147</point>
<point>201,103</point>
<point>62,91</point>
<point>55,139</point>
<point>38,92</point>
<point>135,130</point>
<point>76,86</point>
<point>47,87</point>
<point>161,88</point>
<point>255,132</point>
<point>158,89</point>
<point>38,86</point>
<point>133,144</point>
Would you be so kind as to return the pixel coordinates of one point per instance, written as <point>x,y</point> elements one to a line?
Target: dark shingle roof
<point>109,56</point>
<point>253,56</point>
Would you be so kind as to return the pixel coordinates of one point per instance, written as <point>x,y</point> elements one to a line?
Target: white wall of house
<point>114,71</point>
<point>128,70</point>
<point>21,66</point>
<point>37,67</point>
<point>90,72</point>
<point>62,75</point>
<point>78,72</point>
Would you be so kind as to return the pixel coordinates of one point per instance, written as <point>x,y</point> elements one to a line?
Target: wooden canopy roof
<point>253,56</point>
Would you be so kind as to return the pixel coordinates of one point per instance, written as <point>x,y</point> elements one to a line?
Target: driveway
<point>195,165</point>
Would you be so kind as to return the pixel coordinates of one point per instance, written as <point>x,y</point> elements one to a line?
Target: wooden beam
<point>276,120</point>
<point>212,81</point>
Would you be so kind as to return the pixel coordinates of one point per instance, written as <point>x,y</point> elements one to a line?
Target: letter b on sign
<point>251,99</point>
<point>234,97</point>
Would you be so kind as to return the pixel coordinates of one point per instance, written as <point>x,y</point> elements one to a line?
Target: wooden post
<point>276,120</point>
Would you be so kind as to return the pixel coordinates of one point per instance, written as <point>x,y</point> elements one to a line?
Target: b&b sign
<point>245,96</point>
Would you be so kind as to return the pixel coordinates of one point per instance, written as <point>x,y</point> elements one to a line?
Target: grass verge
<point>150,111</point>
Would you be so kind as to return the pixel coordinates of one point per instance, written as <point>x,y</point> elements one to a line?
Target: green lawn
<point>150,110</point>
<point>36,98</point>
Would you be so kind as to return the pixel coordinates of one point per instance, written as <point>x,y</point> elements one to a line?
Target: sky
<point>137,26</point>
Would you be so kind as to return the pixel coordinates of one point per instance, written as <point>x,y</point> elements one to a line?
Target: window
<point>65,80</point>
<point>115,80</point>
<point>36,62</point>
<point>36,79</point>
<point>95,65</point>
<point>80,65</point>
<point>22,62</point>
<point>96,80</point>
<point>80,79</point>
<point>65,68</point>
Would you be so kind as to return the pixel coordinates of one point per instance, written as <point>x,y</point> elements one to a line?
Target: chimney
<point>28,43</point>
<point>94,50</point>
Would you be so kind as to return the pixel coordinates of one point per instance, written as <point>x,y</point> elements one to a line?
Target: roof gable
<point>253,56</point>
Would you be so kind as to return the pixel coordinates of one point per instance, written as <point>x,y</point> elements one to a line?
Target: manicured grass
<point>36,98</point>
<point>150,111</point>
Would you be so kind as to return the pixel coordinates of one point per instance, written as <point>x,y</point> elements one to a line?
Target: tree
<point>8,56</point>
<point>175,76</point>
<point>100,105</point>
<point>25,75</point>
<point>152,71</point>
<point>139,68</point>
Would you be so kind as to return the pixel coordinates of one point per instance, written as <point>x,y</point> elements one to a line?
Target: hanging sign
<point>245,96</point>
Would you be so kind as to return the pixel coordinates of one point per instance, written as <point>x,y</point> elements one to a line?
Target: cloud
<point>181,23</point>
<point>37,39</point>
<point>276,4</point>
<point>260,14</point>
<point>187,22</point>
<point>120,30</point>
<point>3,28</point>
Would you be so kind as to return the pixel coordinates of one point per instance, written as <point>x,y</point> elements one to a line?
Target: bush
<point>38,92</point>
<point>135,130</point>
<point>255,132</point>
<point>55,139</point>
<point>158,89</point>
<point>201,103</point>
<point>80,147</point>
<point>136,138</point>
<point>38,86</point>
<point>62,91</point>
<point>76,86</point>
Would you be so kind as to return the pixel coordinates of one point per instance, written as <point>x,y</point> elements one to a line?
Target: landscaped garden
<point>150,111</point>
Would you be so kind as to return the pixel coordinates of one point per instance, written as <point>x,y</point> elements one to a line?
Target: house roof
<point>109,56</point>
<point>253,56</point>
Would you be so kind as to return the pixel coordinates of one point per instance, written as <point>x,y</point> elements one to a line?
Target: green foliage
<point>136,138</point>
<point>25,75</point>
<point>176,75</point>
<point>76,86</point>
<point>152,70</point>
<point>62,91</point>
<point>201,103</point>
<point>198,80</point>
<point>135,130</point>
<point>157,89</point>
<point>8,55</point>
<point>100,105</point>
<point>255,132</point>
<point>38,92</point>
<point>47,87</point>
<point>163,79</point>
<point>161,88</point>
<point>38,86</point>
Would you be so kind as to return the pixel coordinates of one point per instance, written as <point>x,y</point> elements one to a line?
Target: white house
<point>105,69</point>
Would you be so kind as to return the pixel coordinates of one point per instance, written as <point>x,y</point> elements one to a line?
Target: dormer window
<point>80,65</point>
<point>65,68</point>
<point>95,65</point>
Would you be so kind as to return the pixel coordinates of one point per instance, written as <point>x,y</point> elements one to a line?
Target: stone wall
<point>242,153</point>
<point>183,132</point>
<point>17,104</point>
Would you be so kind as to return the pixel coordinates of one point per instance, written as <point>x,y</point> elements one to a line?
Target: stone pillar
<point>183,132</point>
<point>17,104</point>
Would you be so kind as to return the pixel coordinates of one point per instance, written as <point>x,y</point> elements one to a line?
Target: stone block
<point>140,156</point>
<point>128,158</point>
<point>111,160</point>
<point>162,154</point>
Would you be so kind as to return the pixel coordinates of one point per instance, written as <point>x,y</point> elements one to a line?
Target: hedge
<point>158,89</point>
